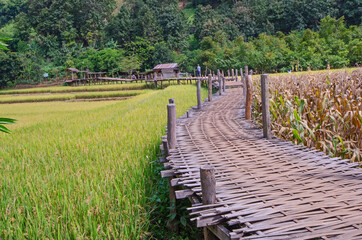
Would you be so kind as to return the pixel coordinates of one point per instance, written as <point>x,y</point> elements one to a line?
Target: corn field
<point>323,111</point>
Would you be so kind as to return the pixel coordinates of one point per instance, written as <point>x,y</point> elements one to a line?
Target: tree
<point>69,18</point>
<point>121,27</point>
<point>143,50</point>
<point>173,23</point>
<point>162,54</point>
<point>129,64</point>
<point>4,120</point>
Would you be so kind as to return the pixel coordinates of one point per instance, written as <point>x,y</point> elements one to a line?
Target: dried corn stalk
<point>321,110</point>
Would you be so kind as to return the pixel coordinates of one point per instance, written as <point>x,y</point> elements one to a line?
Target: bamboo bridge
<point>245,183</point>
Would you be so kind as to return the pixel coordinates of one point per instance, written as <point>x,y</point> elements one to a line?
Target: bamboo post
<point>208,189</point>
<point>241,75</point>
<point>249,96</point>
<point>245,77</point>
<point>165,147</point>
<point>265,105</point>
<point>223,83</point>
<point>219,80</point>
<point>210,88</point>
<point>171,125</point>
<point>198,94</point>
<point>208,184</point>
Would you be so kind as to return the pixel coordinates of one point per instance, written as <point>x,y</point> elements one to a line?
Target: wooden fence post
<point>219,80</point>
<point>265,105</point>
<point>236,75</point>
<point>198,92</point>
<point>245,77</point>
<point>210,88</point>
<point>171,125</point>
<point>208,184</point>
<point>208,189</point>
<point>165,147</point>
<point>228,73</point>
<point>223,83</point>
<point>241,75</point>
<point>232,75</point>
<point>249,96</point>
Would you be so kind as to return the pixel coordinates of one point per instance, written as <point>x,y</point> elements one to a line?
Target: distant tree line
<point>121,36</point>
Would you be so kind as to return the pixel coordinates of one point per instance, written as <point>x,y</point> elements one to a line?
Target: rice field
<point>320,110</point>
<point>68,96</point>
<point>81,170</point>
<point>67,89</point>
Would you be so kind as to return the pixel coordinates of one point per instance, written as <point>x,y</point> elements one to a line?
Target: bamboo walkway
<point>265,189</point>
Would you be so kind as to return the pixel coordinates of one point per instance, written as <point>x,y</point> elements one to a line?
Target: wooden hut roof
<point>166,66</point>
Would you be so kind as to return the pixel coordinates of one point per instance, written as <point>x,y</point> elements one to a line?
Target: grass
<point>67,89</point>
<point>67,96</point>
<point>83,171</point>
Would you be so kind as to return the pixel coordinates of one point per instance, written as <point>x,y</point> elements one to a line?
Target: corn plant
<point>322,110</point>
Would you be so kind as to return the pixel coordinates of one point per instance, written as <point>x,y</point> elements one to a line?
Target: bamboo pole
<point>265,105</point>
<point>249,97</point>
<point>210,88</point>
<point>171,125</point>
<point>198,94</point>
<point>208,189</point>
<point>219,80</point>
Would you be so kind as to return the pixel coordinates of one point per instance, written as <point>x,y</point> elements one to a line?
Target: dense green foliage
<point>119,37</point>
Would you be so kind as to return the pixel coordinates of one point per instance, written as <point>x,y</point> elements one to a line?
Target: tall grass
<point>321,110</point>
<point>84,174</point>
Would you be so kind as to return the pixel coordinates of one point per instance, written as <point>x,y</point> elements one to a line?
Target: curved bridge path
<point>265,189</point>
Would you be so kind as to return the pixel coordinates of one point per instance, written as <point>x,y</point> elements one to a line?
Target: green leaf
<point>7,121</point>
<point>4,129</point>
<point>296,115</point>
<point>183,221</point>
<point>296,135</point>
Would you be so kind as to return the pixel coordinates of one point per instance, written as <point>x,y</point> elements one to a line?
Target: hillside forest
<point>119,37</point>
